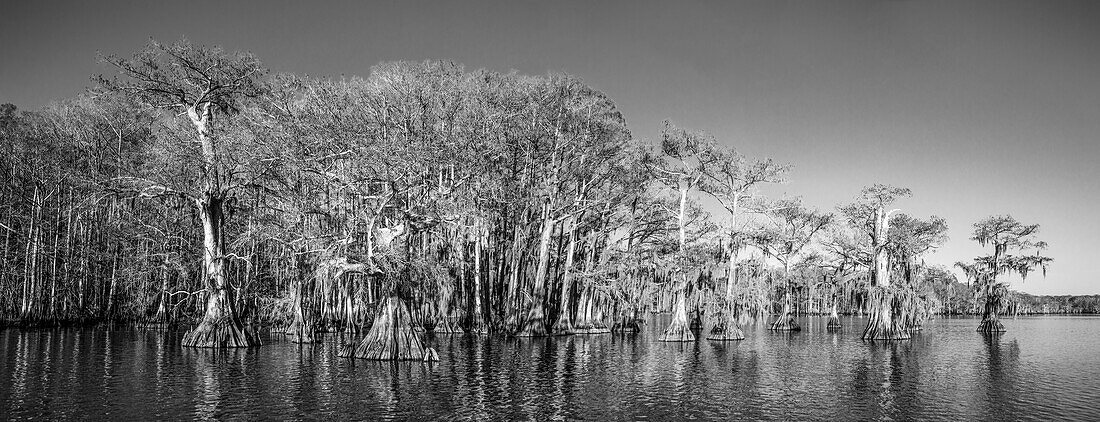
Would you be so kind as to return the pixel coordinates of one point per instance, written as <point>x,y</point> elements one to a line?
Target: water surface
<point>1043,368</point>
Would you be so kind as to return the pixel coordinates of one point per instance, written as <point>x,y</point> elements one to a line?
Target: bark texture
<point>678,329</point>
<point>887,320</point>
<point>990,322</point>
<point>220,327</point>
<point>392,337</point>
<point>786,321</point>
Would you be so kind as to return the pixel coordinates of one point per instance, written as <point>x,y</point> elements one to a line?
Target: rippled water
<point>1043,368</point>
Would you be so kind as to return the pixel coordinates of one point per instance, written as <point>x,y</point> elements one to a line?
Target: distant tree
<point>1007,236</point>
<point>788,230</point>
<point>845,261</point>
<point>734,181</point>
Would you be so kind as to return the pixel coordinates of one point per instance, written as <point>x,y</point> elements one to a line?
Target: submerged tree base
<point>220,334</point>
<point>785,323</point>
<point>448,325</point>
<point>834,323</point>
<point>889,311</point>
<point>534,328</point>
<point>592,329</point>
<point>726,332</point>
<point>677,331</point>
<point>728,325</point>
<point>391,337</point>
<point>302,333</point>
<point>563,328</point>
<point>990,326</point>
<point>478,327</point>
<point>220,327</point>
<point>628,326</point>
<point>885,331</point>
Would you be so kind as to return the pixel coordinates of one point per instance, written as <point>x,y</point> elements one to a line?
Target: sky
<point>979,107</point>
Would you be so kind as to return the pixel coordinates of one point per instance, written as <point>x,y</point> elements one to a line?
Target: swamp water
<point>1043,368</point>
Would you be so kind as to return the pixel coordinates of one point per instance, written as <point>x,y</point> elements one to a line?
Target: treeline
<point>193,186</point>
<point>1024,303</point>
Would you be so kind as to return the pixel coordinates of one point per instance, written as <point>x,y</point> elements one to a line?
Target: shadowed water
<point>1043,368</point>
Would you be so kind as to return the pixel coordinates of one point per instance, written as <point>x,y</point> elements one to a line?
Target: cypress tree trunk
<point>886,321</point>
<point>477,319</point>
<point>834,319</point>
<point>728,327</point>
<point>535,323</point>
<point>990,322</point>
<point>391,337</point>
<point>786,321</point>
<point>220,326</point>
<point>301,329</point>
<point>678,329</point>
<point>564,324</point>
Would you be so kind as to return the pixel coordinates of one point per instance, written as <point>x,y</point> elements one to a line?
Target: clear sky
<point>979,107</point>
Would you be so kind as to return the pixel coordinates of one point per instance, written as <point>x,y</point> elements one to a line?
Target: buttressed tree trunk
<point>391,337</point>
<point>728,327</point>
<point>535,323</point>
<point>786,321</point>
<point>220,326</point>
<point>887,319</point>
<point>994,297</point>
<point>564,324</point>
<point>994,294</point>
<point>301,330</point>
<point>678,329</point>
<point>477,319</point>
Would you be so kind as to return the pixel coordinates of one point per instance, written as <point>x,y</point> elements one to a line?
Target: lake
<point>1043,368</point>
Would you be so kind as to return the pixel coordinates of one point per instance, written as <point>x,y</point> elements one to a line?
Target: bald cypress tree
<point>1016,249</point>
<point>199,92</point>
<point>870,214</point>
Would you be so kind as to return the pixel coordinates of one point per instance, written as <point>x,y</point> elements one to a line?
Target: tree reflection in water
<point>945,372</point>
<point>998,379</point>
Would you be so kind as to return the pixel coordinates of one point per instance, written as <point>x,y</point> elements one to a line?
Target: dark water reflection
<point>1044,368</point>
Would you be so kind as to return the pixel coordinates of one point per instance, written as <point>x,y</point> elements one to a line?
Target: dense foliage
<point>195,187</point>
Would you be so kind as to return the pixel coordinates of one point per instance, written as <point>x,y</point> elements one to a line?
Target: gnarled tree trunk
<point>391,337</point>
<point>885,322</point>
<point>990,322</point>
<point>301,330</point>
<point>678,329</point>
<point>786,321</point>
<point>220,326</point>
<point>535,323</point>
<point>728,326</point>
<point>564,324</point>
<point>477,318</point>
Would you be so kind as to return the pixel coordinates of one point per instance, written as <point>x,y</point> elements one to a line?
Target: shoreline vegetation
<point>191,187</point>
